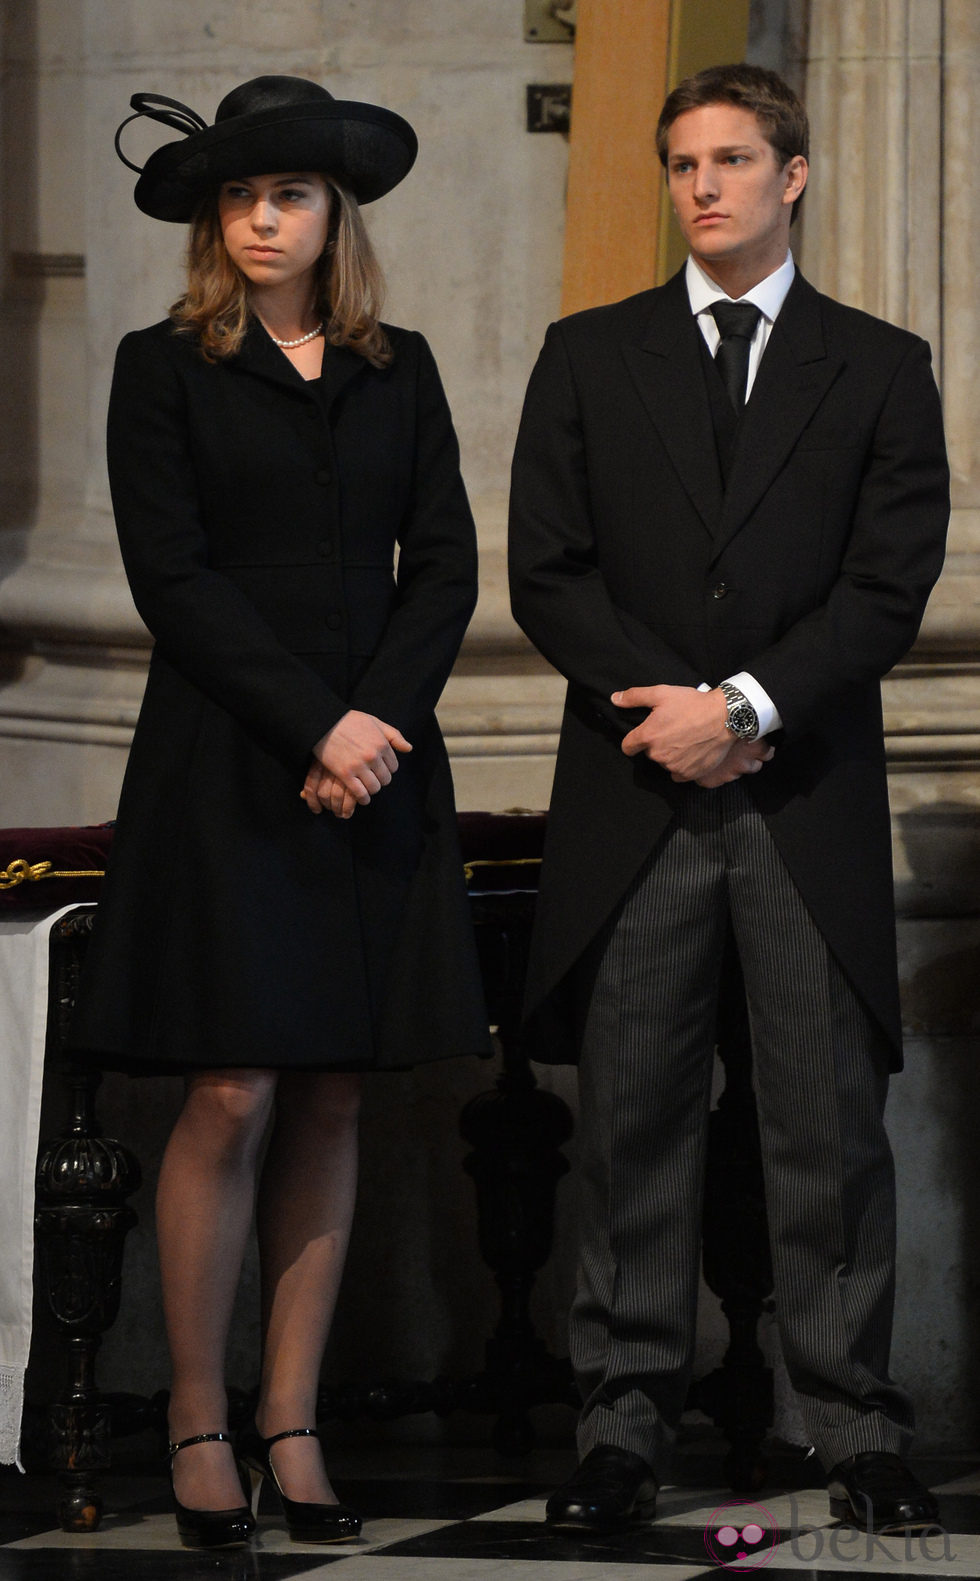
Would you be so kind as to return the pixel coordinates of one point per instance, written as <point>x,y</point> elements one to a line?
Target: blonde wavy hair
<point>349,285</point>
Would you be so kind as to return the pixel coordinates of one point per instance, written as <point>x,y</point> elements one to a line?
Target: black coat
<point>258,516</point>
<point>631,566</point>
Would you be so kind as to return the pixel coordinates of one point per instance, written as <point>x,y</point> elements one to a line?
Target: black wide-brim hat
<point>265,126</point>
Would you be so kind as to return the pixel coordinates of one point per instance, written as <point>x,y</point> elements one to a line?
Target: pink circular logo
<point>741,1535</point>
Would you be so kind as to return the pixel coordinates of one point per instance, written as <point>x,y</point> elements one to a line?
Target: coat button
<point>720,591</point>
<point>334,620</point>
<point>324,548</point>
<point>322,475</point>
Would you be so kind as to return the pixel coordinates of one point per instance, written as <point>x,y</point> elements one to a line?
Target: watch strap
<point>742,720</point>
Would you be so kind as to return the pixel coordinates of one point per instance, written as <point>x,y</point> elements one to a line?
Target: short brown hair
<point>349,285</point>
<point>754,88</point>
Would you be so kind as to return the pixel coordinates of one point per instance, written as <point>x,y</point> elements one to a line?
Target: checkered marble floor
<point>459,1515</point>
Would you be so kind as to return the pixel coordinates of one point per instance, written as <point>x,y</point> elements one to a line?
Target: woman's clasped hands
<point>352,763</point>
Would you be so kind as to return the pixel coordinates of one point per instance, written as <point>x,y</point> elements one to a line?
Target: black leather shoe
<point>210,1528</point>
<point>879,1493</point>
<point>611,1489</point>
<point>307,1523</point>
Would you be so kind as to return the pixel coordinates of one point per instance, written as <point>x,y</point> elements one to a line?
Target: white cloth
<point>23,1023</point>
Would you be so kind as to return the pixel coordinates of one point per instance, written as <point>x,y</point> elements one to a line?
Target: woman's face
<point>275,227</point>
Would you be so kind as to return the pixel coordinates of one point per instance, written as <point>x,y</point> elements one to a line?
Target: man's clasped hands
<point>686,733</point>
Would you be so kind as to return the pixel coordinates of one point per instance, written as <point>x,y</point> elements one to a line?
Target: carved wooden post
<point>81,1222</point>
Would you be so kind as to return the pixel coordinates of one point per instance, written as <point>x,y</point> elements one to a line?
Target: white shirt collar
<point>769,295</point>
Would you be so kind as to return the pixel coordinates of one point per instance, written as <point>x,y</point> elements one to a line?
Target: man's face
<point>733,199</point>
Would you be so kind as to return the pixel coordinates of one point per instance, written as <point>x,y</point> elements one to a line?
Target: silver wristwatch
<point>742,721</point>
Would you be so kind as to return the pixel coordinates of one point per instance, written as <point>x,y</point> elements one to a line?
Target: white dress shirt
<point>768,296</point>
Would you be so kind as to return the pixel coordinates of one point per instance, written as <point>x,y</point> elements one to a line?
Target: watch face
<point>743,720</point>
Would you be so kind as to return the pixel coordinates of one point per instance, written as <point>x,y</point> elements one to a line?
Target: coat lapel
<point>261,356</point>
<point>794,376</point>
<point>666,367</point>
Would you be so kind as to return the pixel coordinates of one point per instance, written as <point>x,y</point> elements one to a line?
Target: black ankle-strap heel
<point>307,1523</point>
<point>211,1528</point>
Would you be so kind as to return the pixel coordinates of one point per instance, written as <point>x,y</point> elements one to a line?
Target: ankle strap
<point>292,1432</point>
<point>202,1438</point>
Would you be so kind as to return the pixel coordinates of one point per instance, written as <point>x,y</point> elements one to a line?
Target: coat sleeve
<point>203,625</point>
<point>437,570</point>
<point>894,555</point>
<point>558,592</point>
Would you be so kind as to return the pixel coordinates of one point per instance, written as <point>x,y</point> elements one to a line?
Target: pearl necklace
<point>289,344</point>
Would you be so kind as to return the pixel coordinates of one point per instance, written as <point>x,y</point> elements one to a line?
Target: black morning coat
<point>258,516</point>
<point>631,566</point>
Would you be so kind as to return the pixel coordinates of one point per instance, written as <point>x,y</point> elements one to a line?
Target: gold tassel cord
<point>507,861</point>
<point>19,872</point>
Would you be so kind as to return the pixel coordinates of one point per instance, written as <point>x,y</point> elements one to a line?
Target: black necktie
<point>736,323</point>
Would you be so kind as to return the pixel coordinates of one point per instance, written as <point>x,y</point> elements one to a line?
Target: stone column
<point>873,206</point>
<point>960,309</point>
<point>74,649</point>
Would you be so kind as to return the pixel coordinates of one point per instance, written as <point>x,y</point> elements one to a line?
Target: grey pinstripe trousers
<point>820,1075</point>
